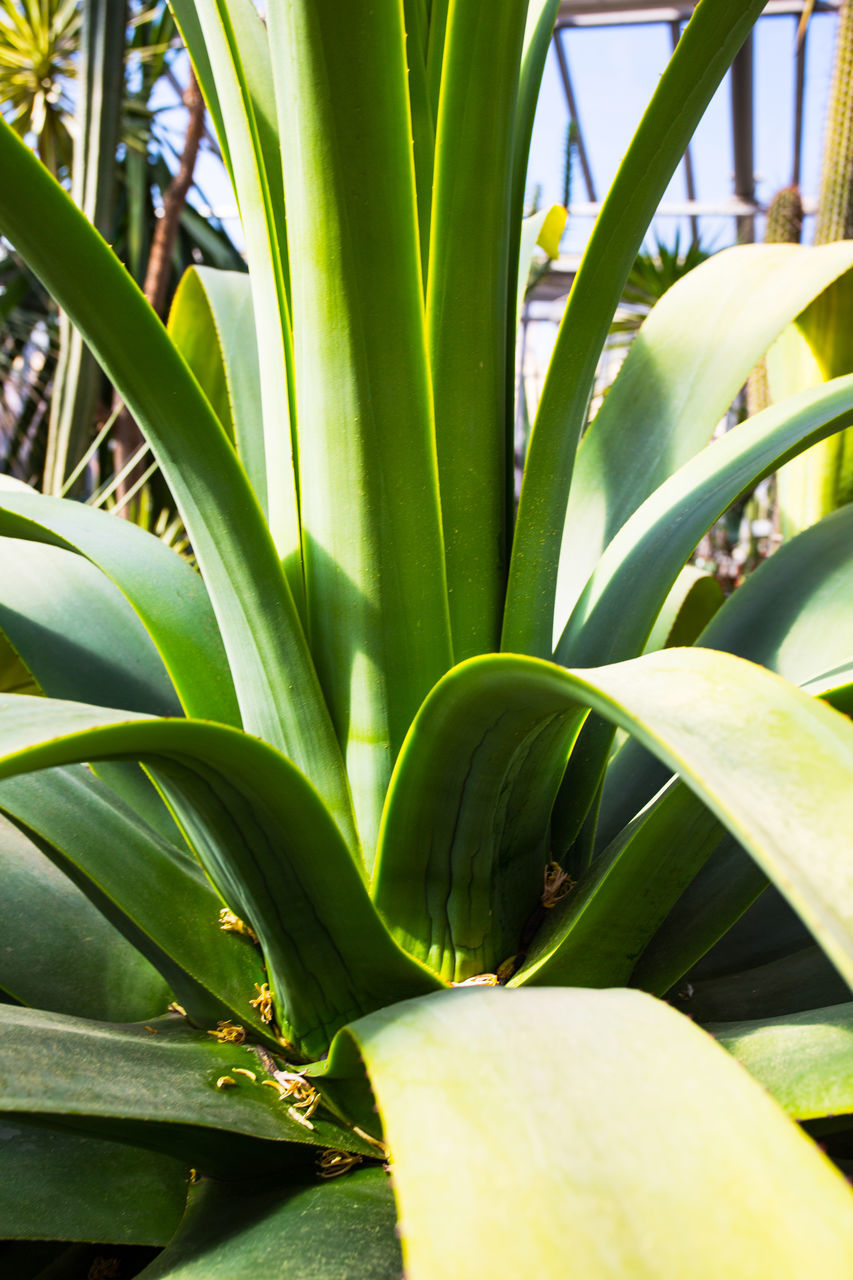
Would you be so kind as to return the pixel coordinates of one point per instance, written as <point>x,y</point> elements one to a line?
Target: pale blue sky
<point>614,71</point>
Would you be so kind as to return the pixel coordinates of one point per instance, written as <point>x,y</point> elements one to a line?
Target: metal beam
<point>742,99</point>
<point>689,179</point>
<point>605,13</point>
<point>799,98</point>
<point>563,65</point>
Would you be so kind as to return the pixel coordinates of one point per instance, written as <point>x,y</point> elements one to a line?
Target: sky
<point>614,71</point>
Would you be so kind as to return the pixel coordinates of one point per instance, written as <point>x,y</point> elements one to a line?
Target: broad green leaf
<point>56,1185</point>
<point>155,1085</point>
<point>709,43</point>
<point>76,632</point>
<point>166,594</point>
<point>59,953</point>
<point>236,45</point>
<point>625,592</point>
<point>471,231</point>
<point>155,895</point>
<point>266,841</point>
<point>593,937</point>
<point>638,1147</point>
<point>239,1231</point>
<point>804,1060</point>
<point>463,846</point>
<point>370,513</point>
<point>274,676</point>
<point>686,365</point>
<point>791,615</point>
<point>783,790</point>
<point>212,323</point>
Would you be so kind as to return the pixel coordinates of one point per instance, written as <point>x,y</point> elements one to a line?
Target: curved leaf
<point>266,841</point>
<point>76,633</point>
<point>59,953</point>
<point>463,845</point>
<point>594,936</point>
<point>783,790</point>
<point>155,895</point>
<point>166,594</point>
<point>686,365</point>
<point>64,1186</point>
<point>235,44</point>
<point>709,43</point>
<point>624,594</point>
<point>155,1085</point>
<point>792,615</point>
<point>275,679</point>
<point>336,1229</point>
<point>212,323</point>
<point>623,1119</point>
<point>804,1060</point>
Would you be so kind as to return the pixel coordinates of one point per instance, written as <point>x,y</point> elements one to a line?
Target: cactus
<point>835,203</point>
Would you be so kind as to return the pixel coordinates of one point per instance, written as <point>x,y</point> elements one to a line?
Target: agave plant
<point>368,848</point>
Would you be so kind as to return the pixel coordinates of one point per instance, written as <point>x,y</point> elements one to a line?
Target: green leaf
<point>274,675</point>
<point>156,1086</point>
<point>783,790</point>
<point>708,45</point>
<point>463,846</point>
<point>594,936</point>
<point>803,1060</point>
<point>686,365</point>
<point>64,1186</point>
<point>337,1230</point>
<point>154,894</point>
<point>370,513</point>
<point>266,841</point>
<point>470,240</point>
<point>235,43</point>
<point>610,1103</point>
<point>791,615</point>
<point>625,592</point>
<point>76,633</point>
<point>212,323</point>
<point>59,952</point>
<point>166,594</point>
<point>615,613</point>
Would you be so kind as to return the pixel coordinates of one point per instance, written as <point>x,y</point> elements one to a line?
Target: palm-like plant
<point>376,731</point>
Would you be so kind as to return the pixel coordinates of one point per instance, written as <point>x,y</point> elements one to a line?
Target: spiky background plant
<point>265,815</point>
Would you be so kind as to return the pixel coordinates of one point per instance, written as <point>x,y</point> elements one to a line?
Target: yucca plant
<point>265,815</point>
